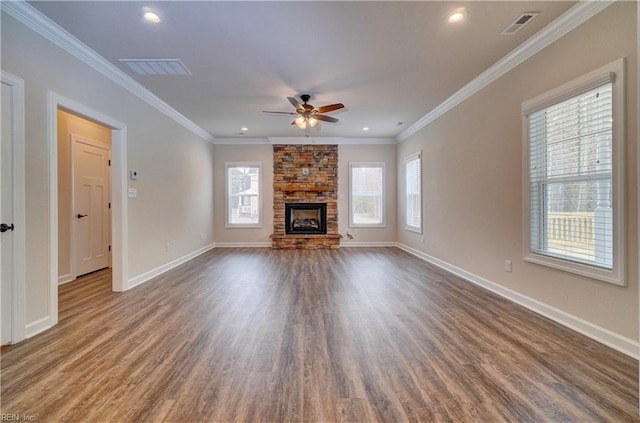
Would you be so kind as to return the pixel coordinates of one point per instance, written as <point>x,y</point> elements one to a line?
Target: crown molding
<point>304,141</point>
<point>572,18</point>
<point>368,141</point>
<point>330,140</point>
<point>39,23</point>
<point>241,141</point>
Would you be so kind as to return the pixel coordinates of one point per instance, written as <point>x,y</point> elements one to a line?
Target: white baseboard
<point>344,243</point>
<point>262,244</point>
<point>140,279</point>
<point>605,336</point>
<point>65,279</point>
<point>40,325</point>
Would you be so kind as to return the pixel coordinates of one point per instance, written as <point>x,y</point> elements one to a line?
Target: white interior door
<point>6,217</point>
<point>91,217</point>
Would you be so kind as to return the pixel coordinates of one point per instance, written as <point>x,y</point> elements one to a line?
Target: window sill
<point>243,226</point>
<point>364,225</point>
<point>593,272</point>
<point>413,229</point>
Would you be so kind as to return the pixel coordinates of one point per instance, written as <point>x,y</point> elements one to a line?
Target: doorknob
<point>4,227</point>
<point>80,216</point>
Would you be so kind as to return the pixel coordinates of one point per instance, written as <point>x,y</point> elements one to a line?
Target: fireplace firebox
<point>305,218</point>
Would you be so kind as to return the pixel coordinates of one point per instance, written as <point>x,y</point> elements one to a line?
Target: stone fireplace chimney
<point>305,174</point>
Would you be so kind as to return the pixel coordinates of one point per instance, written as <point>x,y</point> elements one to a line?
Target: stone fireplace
<point>305,197</point>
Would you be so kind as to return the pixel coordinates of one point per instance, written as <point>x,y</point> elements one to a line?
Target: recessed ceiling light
<point>366,128</point>
<point>457,15</point>
<point>244,128</point>
<point>151,16</point>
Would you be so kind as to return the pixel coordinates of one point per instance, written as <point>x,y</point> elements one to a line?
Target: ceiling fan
<point>307,116</point>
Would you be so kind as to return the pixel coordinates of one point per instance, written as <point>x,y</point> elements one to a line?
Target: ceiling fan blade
<point>326,118</point>
<point>330,108</point>
<point>279,113</point>
<point>295,103</point>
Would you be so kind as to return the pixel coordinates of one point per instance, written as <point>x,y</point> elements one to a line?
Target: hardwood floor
<point>353,335</point>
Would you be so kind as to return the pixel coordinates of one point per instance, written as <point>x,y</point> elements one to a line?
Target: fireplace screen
<point>306,218</point>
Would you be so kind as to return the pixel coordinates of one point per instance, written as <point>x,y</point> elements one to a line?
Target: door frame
<point>119,215</point>
<point>18,317</point>
<point>73,265</point>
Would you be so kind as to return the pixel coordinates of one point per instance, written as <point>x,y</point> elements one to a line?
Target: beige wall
<point>472,177</point>
<point>243,153</point>
<point>471,173</point>
<point>264,153</point>
<point>367,153</point>
<point>69,124</point>
<point>174,203</point>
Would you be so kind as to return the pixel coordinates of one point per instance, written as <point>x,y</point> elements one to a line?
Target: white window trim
<point>228,224</point>
<point>383,224</point>
<point>612,72</point>
<point>418,155</point>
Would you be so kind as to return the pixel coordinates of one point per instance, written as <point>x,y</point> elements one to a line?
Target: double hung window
<point>366,194</point>
<point>243,194</point>
<point>575,176</point>
<point>413,193</point>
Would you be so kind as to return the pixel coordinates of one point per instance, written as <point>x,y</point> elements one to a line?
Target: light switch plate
<point>133,193</point>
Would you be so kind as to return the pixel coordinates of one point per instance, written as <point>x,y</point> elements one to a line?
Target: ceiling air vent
<point>521,21</point>
<point>154,67</point>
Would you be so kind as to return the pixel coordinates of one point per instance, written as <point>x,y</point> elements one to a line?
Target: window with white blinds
<point>573,197</point>
<point>366,194</point>
<point>413,193</point>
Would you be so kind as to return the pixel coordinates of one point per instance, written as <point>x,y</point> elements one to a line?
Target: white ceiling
<point>388,62</point>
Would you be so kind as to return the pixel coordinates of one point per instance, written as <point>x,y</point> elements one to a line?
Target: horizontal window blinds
<point>571,168</point>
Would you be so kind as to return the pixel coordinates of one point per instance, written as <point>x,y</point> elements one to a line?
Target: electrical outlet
<point>167,247</point>
<point>507,265</point>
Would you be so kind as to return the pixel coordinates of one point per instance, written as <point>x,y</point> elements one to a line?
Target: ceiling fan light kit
<point>303,122</point>
<point>306,115</point>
